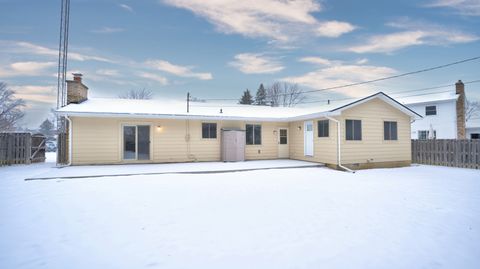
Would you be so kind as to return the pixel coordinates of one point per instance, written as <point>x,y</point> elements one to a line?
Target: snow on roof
<point>427,98</point>
<point>176,109</point>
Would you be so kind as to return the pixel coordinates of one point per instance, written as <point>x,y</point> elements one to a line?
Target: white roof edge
<point>168,116</point>
<point>196,117</point>
<point>432,101</point>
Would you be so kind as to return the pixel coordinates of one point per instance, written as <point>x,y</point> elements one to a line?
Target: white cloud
<point>390,42</point>
<point>412,34</point>
<point>334,28</point>
<point>256,63</point>
<point>464,7</point>
<point>154,77</point>
<point>107,30</point>
<point>362,61</point>
<point>26,69</point>
<point>108,72</point>
<point>21,47</point>
<point>178,70</point>
<point>126,7</point>
<point>35,93</point>
<point>342,74</point>
<point>316,60</point>
<point>278,20</point>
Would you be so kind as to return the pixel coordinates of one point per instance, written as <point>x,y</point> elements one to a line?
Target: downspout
<point>339,158</point>
<point>69,141</point>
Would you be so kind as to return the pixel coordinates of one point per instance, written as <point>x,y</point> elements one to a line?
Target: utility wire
<point>373,80</point>
<point>398,92</point>
<point>350,98</point>
<point>326,101</point>
<point>396,76</point>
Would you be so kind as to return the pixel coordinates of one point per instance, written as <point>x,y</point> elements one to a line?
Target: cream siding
<point>99,140</point>
<point>324,148</point>
<point>373,147</point>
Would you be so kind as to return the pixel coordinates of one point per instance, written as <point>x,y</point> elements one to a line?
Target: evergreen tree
<point>261,96</point>
<point>246,99</point>
<point>47,128</point>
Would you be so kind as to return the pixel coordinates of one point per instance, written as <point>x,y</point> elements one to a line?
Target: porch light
<point>299,128</point>
<point>159,127</point>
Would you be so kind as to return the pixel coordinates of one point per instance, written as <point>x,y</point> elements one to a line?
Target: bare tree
<point>137,94</point>
<point>472,109</point>
<point>11,108</point>
<point>285,94</point>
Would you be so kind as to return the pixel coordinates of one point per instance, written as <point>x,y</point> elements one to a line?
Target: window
<point>254,134</point>
<point>353,129</point>
<point>323,128</point>
<point>209,130</point>
<point>390,130</point>
<point>474,136</point>
<point>430,110</point>
<point>424,135</point>
<point>283,137</point>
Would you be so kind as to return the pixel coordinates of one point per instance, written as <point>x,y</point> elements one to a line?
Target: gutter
<point>339,158</point>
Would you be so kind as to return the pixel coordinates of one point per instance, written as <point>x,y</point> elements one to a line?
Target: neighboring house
<point>443,113</point>
<point>374,131</point>
<point>473,129</point>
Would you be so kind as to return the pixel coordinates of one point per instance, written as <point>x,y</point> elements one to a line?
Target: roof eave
<point>166,116</point>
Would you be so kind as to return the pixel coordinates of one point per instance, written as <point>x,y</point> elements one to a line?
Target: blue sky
<point>216,49</point>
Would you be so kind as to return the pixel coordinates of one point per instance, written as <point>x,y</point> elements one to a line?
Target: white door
<point>283,151</point>
<point>308,138</point>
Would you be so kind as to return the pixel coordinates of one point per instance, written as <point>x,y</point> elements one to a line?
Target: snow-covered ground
<point>415,217</point>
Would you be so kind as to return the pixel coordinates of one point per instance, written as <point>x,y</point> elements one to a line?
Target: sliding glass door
<point>136,142</point>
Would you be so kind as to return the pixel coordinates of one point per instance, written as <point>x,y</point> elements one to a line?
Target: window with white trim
<point>253,134</point>
<point>353,129</point>
<point>430,110</point>
<point>390,130</point>
<point>209,130</point>
<point>323,128</point>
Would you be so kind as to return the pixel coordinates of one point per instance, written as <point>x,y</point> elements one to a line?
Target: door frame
<point>122,142</point>
<point>285,145</point>
<point>305,138</point>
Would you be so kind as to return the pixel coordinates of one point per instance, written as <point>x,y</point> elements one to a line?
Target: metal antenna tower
<point>61,80</point>
<point>62,59</point>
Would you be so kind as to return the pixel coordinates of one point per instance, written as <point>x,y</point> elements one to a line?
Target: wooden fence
<point>447,152</point>
<point>38,148</point>
<point>21,148</point>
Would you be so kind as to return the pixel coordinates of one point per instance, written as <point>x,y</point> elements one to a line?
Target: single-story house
<point>368,132</point>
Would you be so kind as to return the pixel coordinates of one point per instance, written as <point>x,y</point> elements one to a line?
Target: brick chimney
<point>76,91</point>
<point>460,90</point>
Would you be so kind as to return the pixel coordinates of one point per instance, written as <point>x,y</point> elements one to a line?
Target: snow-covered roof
<point>428,98</point>
<point>102,107</point>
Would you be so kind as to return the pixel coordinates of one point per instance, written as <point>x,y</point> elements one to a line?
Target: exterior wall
<point>373,148</point>
<point>371,151</point>
<point>444,123</point>
<point>99,140</point>
<point>324,148</point>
